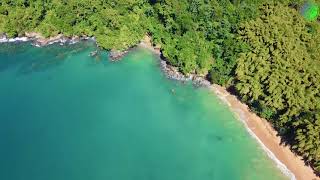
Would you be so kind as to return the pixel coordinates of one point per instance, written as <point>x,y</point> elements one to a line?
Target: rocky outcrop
<point>4,38</point>
<point>116,55</point>
<point>173,73</point>
<point>39,41</point>
<point>200,81</point>
<point>170,71</point>
<point>93,53</point>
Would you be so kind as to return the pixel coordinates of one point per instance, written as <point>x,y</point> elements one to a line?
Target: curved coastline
<point>223,95</point>
<point>290,164</point>
<point>38,40</point>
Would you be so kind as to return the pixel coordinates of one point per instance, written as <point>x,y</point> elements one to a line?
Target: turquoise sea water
<point>67,116</point>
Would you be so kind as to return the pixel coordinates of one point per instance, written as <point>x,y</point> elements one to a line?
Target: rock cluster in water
<point>173,73</point>
<point>170,71</point>
<point>39,41</point>
<point>116,55</point>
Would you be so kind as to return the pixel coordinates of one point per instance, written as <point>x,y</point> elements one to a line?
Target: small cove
<point>66,115</point>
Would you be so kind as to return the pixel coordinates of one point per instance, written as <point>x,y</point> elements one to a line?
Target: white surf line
<point>283,168</point>
<point>61,41</point>
<point>17,39</point>
<point>240,116</point>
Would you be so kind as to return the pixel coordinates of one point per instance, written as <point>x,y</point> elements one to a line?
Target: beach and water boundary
<point>290,164</point>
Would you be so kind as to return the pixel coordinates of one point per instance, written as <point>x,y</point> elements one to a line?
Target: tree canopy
<point>264,49</point>
<point>279,76</point>
<point>115,24</point>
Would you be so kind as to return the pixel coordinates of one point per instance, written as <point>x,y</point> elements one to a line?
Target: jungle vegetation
<point>262,49</point>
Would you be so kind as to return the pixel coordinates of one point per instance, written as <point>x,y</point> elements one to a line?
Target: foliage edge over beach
<point>265,51</point>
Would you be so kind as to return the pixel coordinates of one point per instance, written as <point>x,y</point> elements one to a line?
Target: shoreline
<point>170,71</point>
<point>260,129</point>
<point>290,164</point>
<point>39,41</point>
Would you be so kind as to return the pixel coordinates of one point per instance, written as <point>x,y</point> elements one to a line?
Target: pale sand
<point>146,43</point>
<point>289,163</point>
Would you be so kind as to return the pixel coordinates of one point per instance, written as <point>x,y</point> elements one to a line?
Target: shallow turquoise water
<point>67,116</point>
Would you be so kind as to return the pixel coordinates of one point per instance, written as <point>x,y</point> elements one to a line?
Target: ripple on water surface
<point>68,116</point>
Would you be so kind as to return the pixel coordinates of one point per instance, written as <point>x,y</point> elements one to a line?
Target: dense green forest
<point>265,51</point>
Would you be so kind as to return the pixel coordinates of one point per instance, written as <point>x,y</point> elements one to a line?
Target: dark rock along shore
<point>170,71</point>
<point>173,73</point>
<point>39,41</point>
<point>116,55</point>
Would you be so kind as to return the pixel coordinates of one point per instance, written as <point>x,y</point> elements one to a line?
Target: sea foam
<point>240,115</point>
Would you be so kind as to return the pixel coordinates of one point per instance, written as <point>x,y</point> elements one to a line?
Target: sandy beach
<point>287,161</point>
<point>290,164</point>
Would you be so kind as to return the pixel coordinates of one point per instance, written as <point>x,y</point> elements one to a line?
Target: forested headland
<point>264,51</point>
